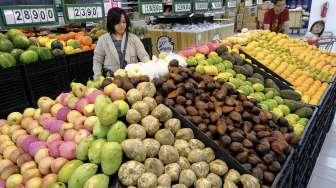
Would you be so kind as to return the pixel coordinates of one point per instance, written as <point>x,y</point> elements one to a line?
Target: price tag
<point>248,3</point>
<point>28,13</point>
<point>201,5</point>
<point>152,8</point>
<point>215,5</point>
<point>181,6</point>
<point>232,3</point>
<point>83,10</point>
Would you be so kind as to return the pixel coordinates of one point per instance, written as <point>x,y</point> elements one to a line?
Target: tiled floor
<point>324,174</point>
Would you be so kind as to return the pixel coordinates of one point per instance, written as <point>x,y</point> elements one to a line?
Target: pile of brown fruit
<point>254,137</point>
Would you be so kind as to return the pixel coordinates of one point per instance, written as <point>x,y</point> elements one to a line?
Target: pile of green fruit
<point>233,68</point>
<point>15,48</point>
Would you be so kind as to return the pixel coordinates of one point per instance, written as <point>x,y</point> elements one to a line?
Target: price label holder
<point>83,10</point>
<point>248,3</point>
<point>232,4</point>
<point>150,7</point>
<point>182,6</point>
<point>36,13</point>
<point>201,5</point>
<point>216,4</point>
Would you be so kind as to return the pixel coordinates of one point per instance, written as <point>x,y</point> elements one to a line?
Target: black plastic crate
<point>13,93</point>
<point>80,66</point>
<point>282,179</point>
<point>256,62</point>
<point>267,75</point>
<point>48,78</point>
<point>147,42</point>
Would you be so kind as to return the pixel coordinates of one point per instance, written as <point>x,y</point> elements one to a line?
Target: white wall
<point>331,15</point>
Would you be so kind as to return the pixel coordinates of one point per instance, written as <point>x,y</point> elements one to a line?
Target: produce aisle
<point>324,174</point>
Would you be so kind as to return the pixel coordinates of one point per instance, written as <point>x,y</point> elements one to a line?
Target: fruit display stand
<point>13,94</point>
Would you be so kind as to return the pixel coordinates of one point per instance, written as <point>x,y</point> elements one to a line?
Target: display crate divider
<point>256,62</point>
<point>282,179</point>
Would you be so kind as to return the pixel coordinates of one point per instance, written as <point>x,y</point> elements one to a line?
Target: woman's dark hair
<point>276,1</point>
<point>318,22</point>
<point>113,18</point>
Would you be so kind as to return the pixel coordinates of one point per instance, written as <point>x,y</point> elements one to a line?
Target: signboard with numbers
<point>27,13</point>
<point>231,3</point>
<point>201,5</point>
<point>248,3</point>
<point>216,4</point>
<point>150,7</point>
<point>182,6</point>
<point>83,10</point>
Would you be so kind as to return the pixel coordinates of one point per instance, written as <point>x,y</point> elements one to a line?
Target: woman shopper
<point>277,18</point>
<point>117,47</point>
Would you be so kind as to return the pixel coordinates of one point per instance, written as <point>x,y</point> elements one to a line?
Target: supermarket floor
<point>324,173</point>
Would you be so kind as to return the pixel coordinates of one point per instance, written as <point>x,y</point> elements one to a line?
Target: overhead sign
<point>182,6</point>
<point>27,13</point>
<point>201,5</point>
<point>150,7</point>
<point>216,4</point>
<point>83,10</point>
<point>232,4</point>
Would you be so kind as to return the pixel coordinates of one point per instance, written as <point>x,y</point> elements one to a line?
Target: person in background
<point>117,47</point>
<point>276,19</point>
<point>315,32</point>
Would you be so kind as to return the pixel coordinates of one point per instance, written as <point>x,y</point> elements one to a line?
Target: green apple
<point>277,112</point>
<point>258,87</point>
<point>298,129</point>
<point>285,109</point>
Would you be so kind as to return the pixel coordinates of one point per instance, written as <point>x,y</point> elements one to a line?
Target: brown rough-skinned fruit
<point>242,157</point>
<point>253,138</point>
<point>227,109</point>
<point>203,127</point>
<point>235,116</point>
<point>236,147</point>
<point>181,100</point>
<point>201,105</point>
<point>259,127</point>
<point>212,128</point>
<point>262,149</point>
<point>230,128</point>
<point>274,167</point>
<point>280,147</point>
<point>180,109</point>
<point>247,115</point>
<point>229,101</point>
<point>192,111</point>
<point>221,94</point>
<point>221,128</point>
<point>256,119</point>
<point>237,137</point>
<point>248,105</point>
<point>263,134</point>
<point>247,127</point>
<point>214,116</point>
<point>268,177</point>
<point>258,172</point>
<point>226,140</point>
<point>218,110</point>
<point>196,119</point>
<point>254,159</point>
<point>262,166</point>
<point>169,102</point>
<point>203,113</point>
<point>189,102</point>
<point>263,117</point>
<point>159,99</point>
<point>247,143</point>
<point>239,109</point>
<point>268,158</point>
<point>255,110</point>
